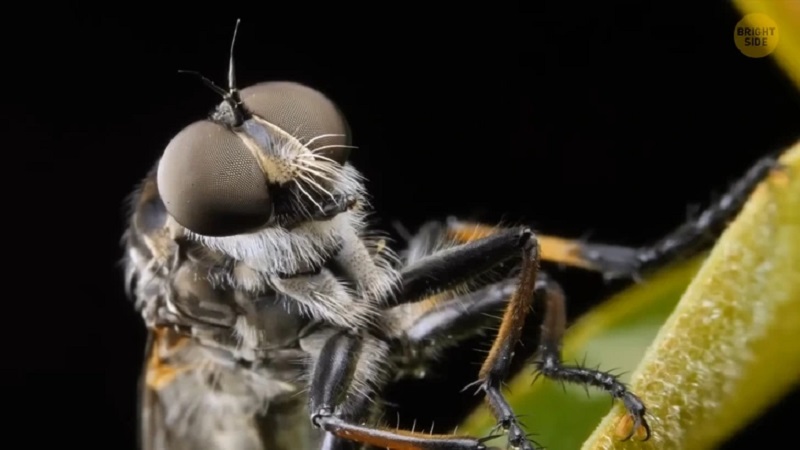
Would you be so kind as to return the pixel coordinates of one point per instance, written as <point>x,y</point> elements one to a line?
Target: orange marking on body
<point>159,372</point>
<point>552,248</point>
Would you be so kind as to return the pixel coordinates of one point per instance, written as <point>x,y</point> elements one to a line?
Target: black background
<point>574,118</point>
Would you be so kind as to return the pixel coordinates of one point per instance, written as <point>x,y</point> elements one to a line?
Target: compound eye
<point>304,113</point>
<point>211,183</point>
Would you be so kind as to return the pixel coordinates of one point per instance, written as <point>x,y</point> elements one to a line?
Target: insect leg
<point>549,364</point>
<point>616,261</point>
<point>568,252</point>
<point>426,330</point>
<point>334,404</point>
<point>698,233</point>
<point>459,317</point>
<point>497,365</point>
<point>448,268</point>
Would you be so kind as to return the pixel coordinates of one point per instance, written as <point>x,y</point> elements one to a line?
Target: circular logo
<point>756,35</point>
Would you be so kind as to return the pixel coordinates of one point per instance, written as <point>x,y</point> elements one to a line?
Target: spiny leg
<point>603,258</point>
<point>616,261</point>
<point>334,405</point>
<point>437,273</point>
<point>426,332</point>
<point>551,248</point>
<point>549,364</point>
<point>461,316</point>
<point>457,318</point>
<point>454,266</point>
<point>497,365</point>
<point>448,268</point>
<point>700,232</point>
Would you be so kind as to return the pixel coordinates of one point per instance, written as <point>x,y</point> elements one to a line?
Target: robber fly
<point>276,315</point>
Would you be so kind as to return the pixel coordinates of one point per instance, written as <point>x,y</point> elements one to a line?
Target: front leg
<point>337,401</point>
<point>449,268</point>
<point>497,365</point>
<point>464,316</point>
<point>460,317</point>
<point>446,269</point>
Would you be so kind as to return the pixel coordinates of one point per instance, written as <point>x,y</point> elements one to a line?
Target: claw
<point>631,425</point>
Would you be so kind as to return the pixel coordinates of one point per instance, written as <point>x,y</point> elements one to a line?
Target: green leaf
<point>707,366</point>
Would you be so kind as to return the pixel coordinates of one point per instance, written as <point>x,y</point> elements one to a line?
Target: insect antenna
<point>235,113</point>
<point>231,67</point>
<point>210,84</point>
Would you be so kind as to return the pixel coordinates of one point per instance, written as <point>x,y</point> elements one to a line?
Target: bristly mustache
<point>315,173</point>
